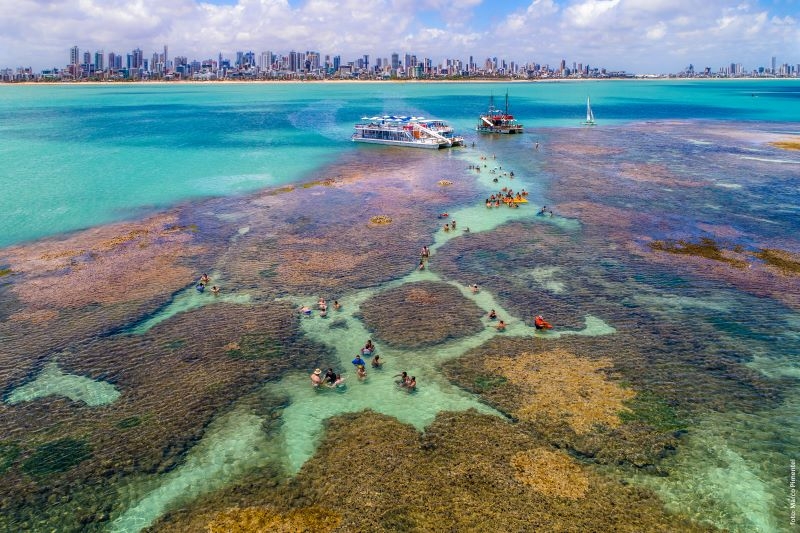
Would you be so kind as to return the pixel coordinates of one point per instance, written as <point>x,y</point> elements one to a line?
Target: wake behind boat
<point>417,132</point>
<point>497,121</point>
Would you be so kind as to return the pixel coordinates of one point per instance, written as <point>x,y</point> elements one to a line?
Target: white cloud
<point>640,35</point>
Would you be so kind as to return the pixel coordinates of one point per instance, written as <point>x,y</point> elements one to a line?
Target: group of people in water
<point>205,280</point>
<point>322,306</point>
<point>507,196</point>
<point>332,379</point>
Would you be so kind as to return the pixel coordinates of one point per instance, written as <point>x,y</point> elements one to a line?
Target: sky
<point>639,36</point>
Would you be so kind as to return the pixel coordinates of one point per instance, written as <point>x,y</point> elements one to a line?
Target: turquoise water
<point>149,147</point>
<point>78,156</point>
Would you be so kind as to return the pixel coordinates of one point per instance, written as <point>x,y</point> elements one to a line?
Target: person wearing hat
<point>316,380</point>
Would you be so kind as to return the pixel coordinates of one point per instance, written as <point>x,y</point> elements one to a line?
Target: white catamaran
<point>416,132</point>
<point>589,115</point>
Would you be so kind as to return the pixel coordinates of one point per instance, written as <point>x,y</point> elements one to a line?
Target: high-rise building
<point>395,61</point>
<point>774,61</point>
<point>138,59</point>
<point>74,55</point>
<point>98,61</point>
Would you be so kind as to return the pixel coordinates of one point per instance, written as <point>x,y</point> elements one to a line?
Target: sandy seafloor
<point>664,399</point>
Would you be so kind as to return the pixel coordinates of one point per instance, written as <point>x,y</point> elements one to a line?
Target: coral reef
<point>786,262</point>
<point>706,248</point>
<point>550,473</point>
<point>106,265</point>
<point>421,314</point>
<point>380,220</point>
<point>786,145</point>
<point>467,472</point>
<point>265,520</point>
<point>556,385</point>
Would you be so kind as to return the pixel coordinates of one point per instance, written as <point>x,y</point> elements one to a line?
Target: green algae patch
<point>788,263</point>
<point>128,423</point>
<point>5,272</point>
<point>484,383</point>
<point>9,451</point>
<point>57,456</point>
<point>706,248</point>
<point>653,411</point>
<point>255,346</point>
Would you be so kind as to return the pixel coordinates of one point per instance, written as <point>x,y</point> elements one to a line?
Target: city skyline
<point>638,36</point>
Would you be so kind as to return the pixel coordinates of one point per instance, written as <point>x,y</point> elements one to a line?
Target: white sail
<point>589,114</point>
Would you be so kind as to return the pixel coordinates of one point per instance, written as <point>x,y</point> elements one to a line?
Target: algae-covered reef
<point>467,472</point>
<point>421,314</point>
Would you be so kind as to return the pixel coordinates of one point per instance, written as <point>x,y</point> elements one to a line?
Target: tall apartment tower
<point>773,64</point>
<point>74,56</point>
<point>98,61</point>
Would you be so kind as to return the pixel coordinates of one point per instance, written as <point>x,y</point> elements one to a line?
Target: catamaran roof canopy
<point>393,118</point>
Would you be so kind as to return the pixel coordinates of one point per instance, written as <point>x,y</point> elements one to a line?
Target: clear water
<point>94,154</point>
<point>78,156</point>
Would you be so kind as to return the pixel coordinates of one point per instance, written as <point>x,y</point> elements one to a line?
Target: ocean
<point>664,398</point>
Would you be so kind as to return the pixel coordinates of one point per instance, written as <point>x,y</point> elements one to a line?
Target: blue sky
<point>641,36</point>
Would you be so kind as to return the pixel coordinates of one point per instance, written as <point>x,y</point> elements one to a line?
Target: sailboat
<point>589,115</point>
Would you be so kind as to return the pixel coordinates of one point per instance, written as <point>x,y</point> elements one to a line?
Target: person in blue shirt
<point>358,361</point>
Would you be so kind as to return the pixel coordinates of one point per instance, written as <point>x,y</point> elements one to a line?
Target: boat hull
<point>408,144</point>
<point>509,130</point>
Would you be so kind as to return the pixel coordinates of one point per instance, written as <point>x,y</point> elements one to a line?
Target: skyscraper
<point>98,61</point>
<point>74,55</point>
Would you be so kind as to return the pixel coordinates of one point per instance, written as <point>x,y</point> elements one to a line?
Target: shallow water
<point>718,343</point>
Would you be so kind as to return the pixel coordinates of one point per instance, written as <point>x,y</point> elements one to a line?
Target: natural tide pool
<point>670,372</point>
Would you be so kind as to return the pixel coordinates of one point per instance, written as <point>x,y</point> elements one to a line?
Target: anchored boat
<point>497,121</point>
<point>417,132</point>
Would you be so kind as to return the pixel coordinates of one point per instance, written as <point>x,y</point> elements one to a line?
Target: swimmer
<point>330,376</point>
<point>204,279</point>
<point>376,361</point>
<point>305,310</point>
<point>421,265</point>
<point>361,372</point>
<point>474,288</point>
<point>447,227</point>
<point>369,346</point>
<point>411,383</point>
<point>453,223</point>
<point>316,380</point>
<point>358,361</point>
<point>339,381</point>
<point>492,315</point>
<point>215,289</point>
<point>403,377</point>
<point>501,326</point>
<point>337,305</point>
